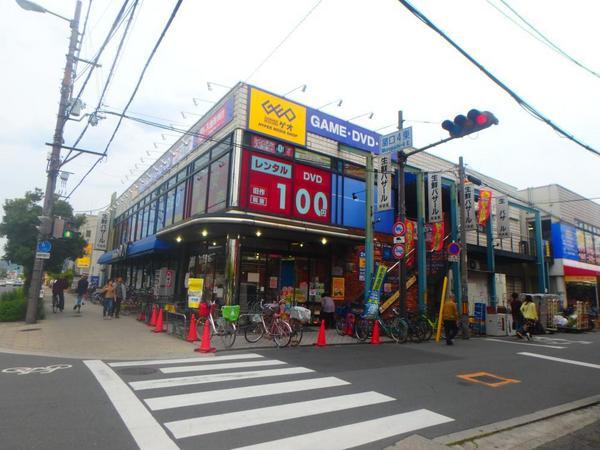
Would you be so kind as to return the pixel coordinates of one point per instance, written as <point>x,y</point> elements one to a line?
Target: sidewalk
<point>87,335</point>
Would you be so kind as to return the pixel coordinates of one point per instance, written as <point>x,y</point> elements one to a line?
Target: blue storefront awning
<point>148,245</point>
<point>109,257</point>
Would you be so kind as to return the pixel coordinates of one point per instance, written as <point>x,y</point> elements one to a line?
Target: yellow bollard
<point>439,324</point>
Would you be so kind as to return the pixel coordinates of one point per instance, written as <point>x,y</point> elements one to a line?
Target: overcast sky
<point>373,54</point>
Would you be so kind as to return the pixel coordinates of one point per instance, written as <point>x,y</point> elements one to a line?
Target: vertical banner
<point>470,217</point>
<point>434,188</point>
<point>437,237</point>
<point>384,183</point>
<point>485,205</point>
<point>102,231</point>
<point>411,236</point>
<point>502,217</point>
<point>338,290</point>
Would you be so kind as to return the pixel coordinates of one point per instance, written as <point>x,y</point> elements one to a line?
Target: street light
<point>302,88</point>
<point>337,102</point>
<point>370,114</point>
<point>54,163</point>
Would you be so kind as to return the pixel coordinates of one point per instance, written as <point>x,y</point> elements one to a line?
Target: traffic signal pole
<point>54,166</point>
<point>464,287</point>
<point>402,218</point>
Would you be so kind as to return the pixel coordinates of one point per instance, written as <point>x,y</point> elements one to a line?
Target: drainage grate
<point>30,329</point>
<point>137,371</point>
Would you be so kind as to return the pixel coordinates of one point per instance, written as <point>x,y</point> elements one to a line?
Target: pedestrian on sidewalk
<point>517,315</point>
<point>450,318</point>
<point>120,295</point>
<point>58,292</point>
<point>108,293</point>
<point>530,316</point>
<point>327,310</point>
<point>82,288</point>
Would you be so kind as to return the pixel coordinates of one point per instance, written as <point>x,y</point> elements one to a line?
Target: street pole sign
<point>399,229</point>
<point>44,247</point>
<point>453,250</point>
<point>398,251</point>
<point>42,255</point>
<point>396,141</point>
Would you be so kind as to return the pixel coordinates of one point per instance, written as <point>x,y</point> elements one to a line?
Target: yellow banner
<point>277,117</point>
<point>195,288</point>
<point>580,279</point>
<point>338,288</point>
<point>84,261</point>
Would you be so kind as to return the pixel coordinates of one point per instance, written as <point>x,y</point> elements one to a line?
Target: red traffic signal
<point>473,122</point>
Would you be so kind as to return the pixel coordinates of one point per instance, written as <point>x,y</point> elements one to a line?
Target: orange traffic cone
<point>159,322</point>
<point>350,325</point>
<point>192,334</point>
<point>141,316</point>
<point>321,340</point>
<point>152,317</point>
<point>375,334</point>
<point>205,343</point>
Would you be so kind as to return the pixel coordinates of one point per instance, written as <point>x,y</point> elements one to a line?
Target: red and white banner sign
<point>312,189</point>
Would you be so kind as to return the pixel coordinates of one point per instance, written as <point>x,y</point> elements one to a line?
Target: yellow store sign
<point>84,261</point>
<point>277,117</point>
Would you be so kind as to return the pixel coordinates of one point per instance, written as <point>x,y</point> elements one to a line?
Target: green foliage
<point>12,306</point>
<point>19,227</point>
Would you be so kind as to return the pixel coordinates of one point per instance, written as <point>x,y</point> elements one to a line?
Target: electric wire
<point>83,34</point>
<point>278,46</point>
<point>541,37</point>
<point>492,77</point>
<point>137,86</point>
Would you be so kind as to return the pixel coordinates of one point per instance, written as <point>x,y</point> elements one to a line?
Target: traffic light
<point>473,122</point>
<point>69,230</point>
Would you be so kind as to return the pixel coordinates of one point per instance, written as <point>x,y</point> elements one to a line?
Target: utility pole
<point>54,165</point>
<point>402,157</point>
<point>464,287</point>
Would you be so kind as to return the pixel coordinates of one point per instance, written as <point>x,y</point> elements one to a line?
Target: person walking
<point>82,289</point>
<point>450,318</point>
<point>327,310</point>
<point>530,316</point>
<point>108,293</point>
<point>120,295</point>
<point>58,292</point>
<point>517,315</point>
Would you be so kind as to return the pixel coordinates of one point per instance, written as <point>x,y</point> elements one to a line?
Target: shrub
<point>12,306</point>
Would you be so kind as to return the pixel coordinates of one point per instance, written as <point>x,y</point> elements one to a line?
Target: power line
<point>137,86</point>
<point>516,97</point>
<point>569,201</point>
<point>278,46</point>
<point>540,36</point>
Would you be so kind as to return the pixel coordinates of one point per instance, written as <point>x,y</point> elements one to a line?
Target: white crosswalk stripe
<point>214,408</point>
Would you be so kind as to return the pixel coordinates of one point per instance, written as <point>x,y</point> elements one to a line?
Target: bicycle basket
<point>230,312</point>
<point>300,313</point>
<point>203,310</point>
<point>270,308</point>
<point>255,318</point>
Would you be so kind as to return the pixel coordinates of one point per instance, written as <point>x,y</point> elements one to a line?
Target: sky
<point>375,55</point>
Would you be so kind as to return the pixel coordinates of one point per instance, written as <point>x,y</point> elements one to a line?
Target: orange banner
<point>411,235</point>
<point>485,205</point>
<point>437,236</point>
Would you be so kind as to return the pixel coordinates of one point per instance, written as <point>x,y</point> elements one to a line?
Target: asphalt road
<point>334,397</point>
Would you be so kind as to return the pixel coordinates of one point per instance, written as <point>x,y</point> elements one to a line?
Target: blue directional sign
<point>44,246</point>
<point>396,141</point>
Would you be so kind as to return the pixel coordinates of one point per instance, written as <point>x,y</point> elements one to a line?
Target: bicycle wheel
<point>54,304</point>
<point>388,327</point>
<point>281,332</point>
<point>254,332</point>
<point>400,327</point>
<point>297,332</point>
<point>226,332</point>
<point>362,329</point>
<point>415,332</point>
<point>340,326</point>
<point>426,327</point>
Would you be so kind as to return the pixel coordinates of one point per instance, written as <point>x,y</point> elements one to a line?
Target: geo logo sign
<point>275,116</point>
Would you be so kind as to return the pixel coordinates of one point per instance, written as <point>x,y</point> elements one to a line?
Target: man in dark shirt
<point>58,291</point>
<point>517,315</point>
<point>82,289</point>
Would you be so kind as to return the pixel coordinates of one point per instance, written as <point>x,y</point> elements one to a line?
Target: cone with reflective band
<point>159,322</point>
<point>152,317</point>
<point>321,340</point>
<point>375,334</point>
<point>192,334</point>
<point>205,343</point>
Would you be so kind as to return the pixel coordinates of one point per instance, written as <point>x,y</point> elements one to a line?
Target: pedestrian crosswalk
<point>249,401</point>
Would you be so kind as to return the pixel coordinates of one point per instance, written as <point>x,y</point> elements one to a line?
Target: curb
<point>487,430</point>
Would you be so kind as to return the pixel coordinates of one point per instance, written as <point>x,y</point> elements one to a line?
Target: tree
<point>19,227</point>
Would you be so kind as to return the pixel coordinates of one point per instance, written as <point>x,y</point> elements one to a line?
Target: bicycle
<point>271,323</point>
<point>298,317</point>
<point>223,327</point>
<point>55,305</point>
<point>394,327</point>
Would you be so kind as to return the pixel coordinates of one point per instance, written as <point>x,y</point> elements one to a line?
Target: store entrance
<point>271,276</point>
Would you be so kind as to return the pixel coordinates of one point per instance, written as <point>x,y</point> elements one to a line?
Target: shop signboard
<point>384,183</point>
<point>268,145</point>
<point>276,116</point>
<point>502,217</point>
<point>195,288</point>
<point>212,124</point>
<point>470,218</point>
<point>338,291</point>
<point>312,188</point>
<point>564,241</point>
<point>396,141</point>
<point>362,263</point>
<point>342,131</point>
<point>434,187</point>
<point>84,261</point>
<point>102,231</point>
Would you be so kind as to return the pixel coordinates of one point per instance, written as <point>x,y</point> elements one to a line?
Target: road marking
<point>361,433</point>
<point>214,378</point>
<point>241,419</point>
<point>236,365</point>
<point>223,395</point>
<point>207,359</point>
<point>523,343</point>
<point>40,370</point>
<point>146,431</point>
<point>561,341</point>
<point>568,361</point>
<point>476,378</point>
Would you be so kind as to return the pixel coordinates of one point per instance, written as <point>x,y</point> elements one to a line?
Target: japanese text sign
<point>312,189</point>
<point>434,187</point>
<point>342,131</point>
<point>502,217</point>
<point>384,183</point>
<point>102,231</point>
<point>396,141</point>
<point>470,218</point>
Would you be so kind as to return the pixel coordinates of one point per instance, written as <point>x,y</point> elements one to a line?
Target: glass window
<point>219,149</point>
<point>313,158</point>
<point>181,175</point>
<point>217,195</point>
<point>169,207</point>
<point>140,224</point>
<point>179,197</point>
<point>202,161</point>
<point>160,213</point>
<point>131,234</point>
<point>171,182</point>
<point>199,187</point>
<point>145,222</point>
<point>354,171</point>
<point>151,218</point>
